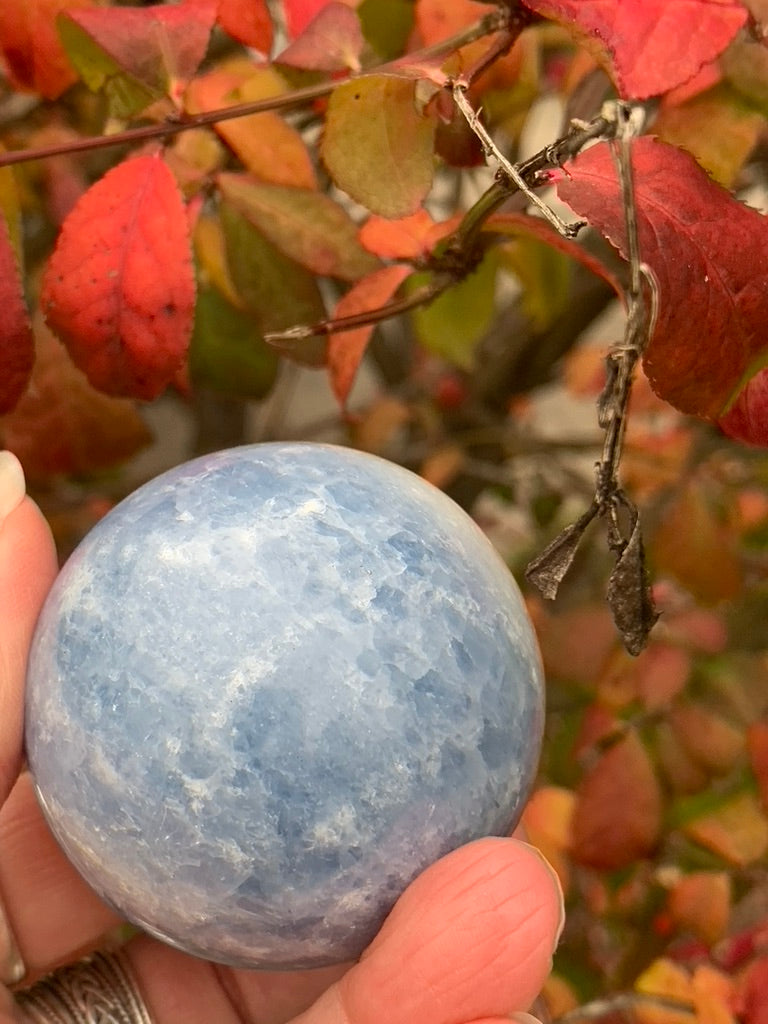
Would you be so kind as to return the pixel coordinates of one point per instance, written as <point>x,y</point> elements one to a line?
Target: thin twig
<point>420,297</point>
<point>530,170</point>
<point>490,149</point>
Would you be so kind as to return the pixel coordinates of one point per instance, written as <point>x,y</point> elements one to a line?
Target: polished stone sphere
<point>268,689</point>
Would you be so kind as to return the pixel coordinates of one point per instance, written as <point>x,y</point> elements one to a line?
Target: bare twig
<point>459,89</point>
<point>421,297</point>
<point>628,592</point>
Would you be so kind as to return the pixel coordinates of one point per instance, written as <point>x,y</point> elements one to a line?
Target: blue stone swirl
<point>268,689</point>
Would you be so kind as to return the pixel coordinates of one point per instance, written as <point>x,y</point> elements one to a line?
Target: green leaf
<point>304,224</point>
<point>277,290</point>
<point>227,352</point>
<point>377,146</point>
<point>545,275</point>
<point>453,324</point>
<point>386,25</point>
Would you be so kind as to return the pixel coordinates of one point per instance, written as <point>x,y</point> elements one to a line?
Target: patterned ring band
<point>99,990</point>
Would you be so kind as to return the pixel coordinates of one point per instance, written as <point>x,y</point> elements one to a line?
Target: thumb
<point>470,940</point>
<point>27,569</point>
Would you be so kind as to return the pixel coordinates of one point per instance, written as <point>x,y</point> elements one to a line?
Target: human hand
<point>469,941</point>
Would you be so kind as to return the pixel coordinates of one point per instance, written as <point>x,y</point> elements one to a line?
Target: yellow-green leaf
<point>377,146</point>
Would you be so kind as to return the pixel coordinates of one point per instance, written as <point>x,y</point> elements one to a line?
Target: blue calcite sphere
<point>268,689</point>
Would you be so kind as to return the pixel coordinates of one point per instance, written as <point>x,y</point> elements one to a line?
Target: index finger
<point>27,568</point>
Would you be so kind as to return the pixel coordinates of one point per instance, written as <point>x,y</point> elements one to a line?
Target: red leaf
<point>31,46</point>
<point>248,21</point>
<point>752,1004</point>
<point>654,45</point>
<point>63,425</point>
<point>697,363</point>
<point>119,289</point>
<point>17,349</point>
<point>747,418</point>
<point>346,348</point>
<point>333,41</point>
<point>299,13</point>
<point>618,811</point>
<point>161,47</point>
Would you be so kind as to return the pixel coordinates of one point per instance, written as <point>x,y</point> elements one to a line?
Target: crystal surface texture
<point>268,689</point>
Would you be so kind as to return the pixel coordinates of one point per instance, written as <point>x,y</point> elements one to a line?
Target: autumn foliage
<point>203,203</point>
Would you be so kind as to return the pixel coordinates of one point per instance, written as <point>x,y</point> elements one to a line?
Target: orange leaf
<point>712,996</point>
<point>683,774</point>
<point>757,745</point>
<point>346,348</point>
<point>380,422</point>
<point>695,547</point>
<point>62,425</point>
<point>408,238</point>
<point>655,676</point>
<point>618,811</point>
<point>707,737</point>
<point>248,21</point>
<point>547,821</point>
<point>31,46</point>
<point>267,145</point>
<point>701,903</point>
<point>119,289</point>
<point>17,350</point>
<point>738,831</point>
<point>575,644</point>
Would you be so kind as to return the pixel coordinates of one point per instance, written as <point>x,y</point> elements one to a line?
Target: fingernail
<point>12,968</point>
<point>525,1018</point>
<point>556,882</point>
<point>12,487</point>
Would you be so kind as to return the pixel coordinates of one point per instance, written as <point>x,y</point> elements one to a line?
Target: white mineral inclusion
<point>270,688</point>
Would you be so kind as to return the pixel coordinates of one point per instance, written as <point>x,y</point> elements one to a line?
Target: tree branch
<point>460,253</point>
<point>491,23</point>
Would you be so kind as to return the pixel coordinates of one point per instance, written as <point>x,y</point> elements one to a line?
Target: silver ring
<point>99,990</point>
